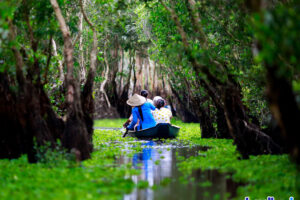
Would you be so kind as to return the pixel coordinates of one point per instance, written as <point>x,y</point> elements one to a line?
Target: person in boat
<point>144,93</point>
<point>141,111</point>
<point>155,99</point>
<point>162,114</point>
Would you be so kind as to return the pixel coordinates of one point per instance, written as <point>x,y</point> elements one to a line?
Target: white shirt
<point>150,101</point>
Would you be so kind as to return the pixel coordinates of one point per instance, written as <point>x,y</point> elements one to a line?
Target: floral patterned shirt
<point>162,115</point>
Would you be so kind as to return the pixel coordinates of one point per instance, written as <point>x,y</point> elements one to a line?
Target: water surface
<point>157,162</point>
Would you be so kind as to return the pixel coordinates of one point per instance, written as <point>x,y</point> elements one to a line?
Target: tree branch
<point>68,54</point>
<point>60,63</point>
<point>178,24</point>
<point>88,87</point>
<point>85,17</point>
<point>196,22</point>
<point>19,58</point>
<point>196,66</point>
<point>48,61</point>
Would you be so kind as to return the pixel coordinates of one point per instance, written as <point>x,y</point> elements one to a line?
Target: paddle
<point>125,125</point>
<point>126,132</point>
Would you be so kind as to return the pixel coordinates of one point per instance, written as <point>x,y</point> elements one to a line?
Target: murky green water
<point>158,164</point>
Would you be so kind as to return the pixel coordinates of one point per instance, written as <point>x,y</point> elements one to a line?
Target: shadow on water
<point>158,164</point>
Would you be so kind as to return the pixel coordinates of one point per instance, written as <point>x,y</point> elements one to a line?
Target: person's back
<point>161,114</point>
<point>144,93</point>
<point>146,120</point>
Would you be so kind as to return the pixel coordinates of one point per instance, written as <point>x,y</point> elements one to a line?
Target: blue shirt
<point>148,121</point>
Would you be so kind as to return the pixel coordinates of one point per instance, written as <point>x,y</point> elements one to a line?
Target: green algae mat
<point>104,177</point>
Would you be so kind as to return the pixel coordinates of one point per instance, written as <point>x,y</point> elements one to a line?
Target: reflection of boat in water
<point>158,172</point>
<point>159,131</point>
<point>152,172</point>
<point>148,159</point>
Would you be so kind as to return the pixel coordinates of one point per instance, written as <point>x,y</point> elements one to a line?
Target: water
<point>158,164</point>
<point>106,128</point>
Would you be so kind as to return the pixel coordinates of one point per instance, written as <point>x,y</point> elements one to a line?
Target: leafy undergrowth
<point>103,178</point>
<point>263,176</point>
<point>97,178</point>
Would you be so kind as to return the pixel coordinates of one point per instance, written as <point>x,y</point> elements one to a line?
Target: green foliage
<point>101,177</point>
<point>229,40</point>
<point>136,26</point>
<point>278,31</point>
<point>97,178</point>
<point>54,157</point>
<point>263,175</point>
<point>142,184</point>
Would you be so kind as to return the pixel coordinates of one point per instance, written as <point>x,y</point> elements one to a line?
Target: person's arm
<point>152,107</point>
<point>134,120</point>
<point>128,121</point>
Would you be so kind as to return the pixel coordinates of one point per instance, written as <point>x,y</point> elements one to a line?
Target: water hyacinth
<point>107,176</point>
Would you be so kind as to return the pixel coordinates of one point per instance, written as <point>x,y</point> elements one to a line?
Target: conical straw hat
<point>136,100</point>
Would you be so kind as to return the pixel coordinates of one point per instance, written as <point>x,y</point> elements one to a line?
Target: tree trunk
<point>111,87</point>
<point>134,71</point>
<point>123,108</point>
<point>139,74</point>
<point>31,118</point>
<point>146,74</point>
<point>281,98</point>
<point>87,94</point>
<point>223,131</point>
<point>184,112</point>
<point>284,109</point>
<point>60,64</point>
<point>11,138</point>
<point>106,73</point>
<point>76,134</point>
<point>82,71</point>
<point>247,136</point>
<point>207,129</point>
<point>121,82</point>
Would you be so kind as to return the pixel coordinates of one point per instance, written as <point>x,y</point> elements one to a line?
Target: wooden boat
<point>159,131</point>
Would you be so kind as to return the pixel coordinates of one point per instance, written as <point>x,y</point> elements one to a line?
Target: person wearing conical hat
<point>141,110</point>
<point>143,93</point>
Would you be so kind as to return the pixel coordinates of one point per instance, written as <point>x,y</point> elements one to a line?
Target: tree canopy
<point>232,66</point>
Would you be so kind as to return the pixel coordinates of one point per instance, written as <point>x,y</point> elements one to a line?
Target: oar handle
<point>124,135</point>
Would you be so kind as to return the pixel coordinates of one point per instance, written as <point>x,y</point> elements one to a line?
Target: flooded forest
<point>150,99</point>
